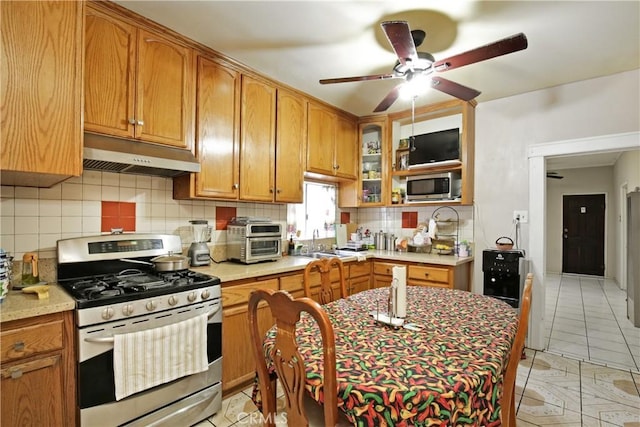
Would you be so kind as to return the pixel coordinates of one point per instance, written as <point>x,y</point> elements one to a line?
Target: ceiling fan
<point>412,64</point>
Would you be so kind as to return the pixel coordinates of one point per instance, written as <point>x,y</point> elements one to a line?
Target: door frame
<point>622,250</point>
<point>537,211</point>
<point>606,218</point>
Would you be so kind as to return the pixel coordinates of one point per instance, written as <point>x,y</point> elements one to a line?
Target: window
<point>317,212</point>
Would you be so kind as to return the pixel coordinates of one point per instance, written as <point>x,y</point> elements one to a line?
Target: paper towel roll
<point>399,291</point>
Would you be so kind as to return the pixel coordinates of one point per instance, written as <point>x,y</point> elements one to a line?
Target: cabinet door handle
<point>132,121</point>
<point>140,123</point>
<point>15,372</point>
<point>426,274</point>
<point>235,186</point>
<point>18,346</point>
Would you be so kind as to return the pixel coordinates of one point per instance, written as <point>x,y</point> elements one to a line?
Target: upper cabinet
<point>257,140</point>
<point>138,84</point>
<point>331,143</point>
<point>291,133</point>
<point>41,57</point>
<point>217,134</point>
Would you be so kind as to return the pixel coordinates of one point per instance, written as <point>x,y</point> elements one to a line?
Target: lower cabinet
<point>238,366</point>
<point>359,277</point>
<point>418,274</point>
<point>38,383</point>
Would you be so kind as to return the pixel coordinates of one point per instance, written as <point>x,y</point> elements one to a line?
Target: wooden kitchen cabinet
<point>291,133</point>
<point>38,383</point>
<point>217,134</point>
<point>440,276</point>
<point>257,140</point>
<point>41,81</point>
<point>238,367</point>
<point>383,273</point>
<point>359,276</point>
<point>331,143</point>
<point>138,83</point>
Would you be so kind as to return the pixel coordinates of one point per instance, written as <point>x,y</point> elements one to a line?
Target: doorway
<point>583,221</point>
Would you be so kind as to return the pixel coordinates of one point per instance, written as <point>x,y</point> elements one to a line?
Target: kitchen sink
<point>328,254</point>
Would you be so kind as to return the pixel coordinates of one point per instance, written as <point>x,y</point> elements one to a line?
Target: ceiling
<point>300,42</point>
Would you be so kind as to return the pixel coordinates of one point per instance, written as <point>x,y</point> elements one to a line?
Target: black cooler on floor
<point>504,274</point>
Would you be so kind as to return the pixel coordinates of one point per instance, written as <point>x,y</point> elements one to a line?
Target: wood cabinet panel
<point>360,268</point>
<point>428,273</point>
<point>165,91</point>
<point>321,134</point>
<point>257,144</point>
<point>291,134</point>
<point>238,368</point>
<point>138,84</point>
<point>358,284</point>
<point>109,83</point>
<point>346,148</point>
<point>37,377</point>
<point>30,340</point>
<point>218,128</point>
<point>41,86</point>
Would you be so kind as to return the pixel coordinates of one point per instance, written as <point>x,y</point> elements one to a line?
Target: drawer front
<point>240,294</point>
<point>431,274</point>
<point>428,284</point>
<point>30,340</point>
<point>384,268</point>
<point>359,269</point>
<point>292,283</point>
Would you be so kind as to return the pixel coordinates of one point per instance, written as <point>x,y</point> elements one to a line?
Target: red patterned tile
<point>409,219</point>
<point>223,216</point>
<point>128,209</point>
<point>345,217</point>
<point>110,209</point>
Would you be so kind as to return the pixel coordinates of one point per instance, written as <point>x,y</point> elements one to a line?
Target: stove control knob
<point>127,310</point>
<point>192,297</point>
<point>205,294</point>
<point>151,305</point>
<point>173,300</point>
<point>107,313</point>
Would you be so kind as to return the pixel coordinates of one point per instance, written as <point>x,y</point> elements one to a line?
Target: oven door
<point>263,248</point>
<point>96,386</point>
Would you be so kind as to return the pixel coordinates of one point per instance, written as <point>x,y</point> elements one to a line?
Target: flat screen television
<point>435,149</point>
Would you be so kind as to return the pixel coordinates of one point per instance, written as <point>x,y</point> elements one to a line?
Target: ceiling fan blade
<point>399,35</point>
<point>501,47</point>
<point>454,89</point>
<point>357,79</point>
<point>389,99</point>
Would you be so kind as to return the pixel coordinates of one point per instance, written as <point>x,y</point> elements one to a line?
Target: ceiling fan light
<point>415,85</point>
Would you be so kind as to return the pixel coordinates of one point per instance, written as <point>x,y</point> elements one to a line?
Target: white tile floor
<point>586,319</point>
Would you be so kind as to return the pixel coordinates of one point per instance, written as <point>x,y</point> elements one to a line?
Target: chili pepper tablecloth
<point>447,374</point>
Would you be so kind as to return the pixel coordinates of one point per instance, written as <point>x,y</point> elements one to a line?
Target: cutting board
<point>341,235</point>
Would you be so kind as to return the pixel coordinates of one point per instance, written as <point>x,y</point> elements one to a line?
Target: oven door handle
<point>111,338</point>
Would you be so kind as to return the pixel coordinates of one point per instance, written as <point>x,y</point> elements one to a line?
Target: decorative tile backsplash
<point>34,219</point>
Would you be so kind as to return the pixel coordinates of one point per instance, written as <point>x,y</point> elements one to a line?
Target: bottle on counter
<point>291,246</point>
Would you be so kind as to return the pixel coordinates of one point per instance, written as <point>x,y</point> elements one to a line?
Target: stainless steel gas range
<point>118,291</point>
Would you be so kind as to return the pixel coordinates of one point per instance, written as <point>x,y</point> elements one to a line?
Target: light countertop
<point>19,305</point>
<point>230,271</point>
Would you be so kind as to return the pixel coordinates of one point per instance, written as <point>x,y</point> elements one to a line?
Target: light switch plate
<point>521,216</point>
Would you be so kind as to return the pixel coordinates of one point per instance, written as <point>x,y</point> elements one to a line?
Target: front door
<point>583,234</point>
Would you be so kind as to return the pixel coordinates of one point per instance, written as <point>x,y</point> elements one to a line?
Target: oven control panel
<point>146,306</point>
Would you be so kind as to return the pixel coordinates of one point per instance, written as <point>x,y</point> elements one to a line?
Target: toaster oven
<point>254,240</point>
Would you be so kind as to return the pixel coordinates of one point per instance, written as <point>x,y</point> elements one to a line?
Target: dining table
<point>443,367</point>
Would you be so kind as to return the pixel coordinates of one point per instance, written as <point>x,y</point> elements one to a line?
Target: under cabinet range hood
<point>109,154</point>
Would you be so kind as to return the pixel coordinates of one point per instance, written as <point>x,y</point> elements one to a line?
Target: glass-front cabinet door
<point>374,174</point>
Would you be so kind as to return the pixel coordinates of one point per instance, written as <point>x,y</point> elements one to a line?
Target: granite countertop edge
<point>18,305</point>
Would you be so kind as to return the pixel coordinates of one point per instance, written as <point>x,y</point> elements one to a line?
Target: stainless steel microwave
<point>437,186</point>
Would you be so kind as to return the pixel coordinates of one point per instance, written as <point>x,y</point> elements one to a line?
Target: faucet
<point>313,239</point>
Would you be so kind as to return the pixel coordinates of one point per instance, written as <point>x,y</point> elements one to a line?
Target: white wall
<point>595,180</point>
<point>626,177</point>
<point>506,128</point>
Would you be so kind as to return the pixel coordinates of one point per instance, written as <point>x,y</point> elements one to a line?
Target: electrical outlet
<point>520,216</point>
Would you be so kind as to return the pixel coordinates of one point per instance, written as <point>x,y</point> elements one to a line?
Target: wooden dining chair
<point>324,266</point>
<point>289,363</point>
<point>507,402</point>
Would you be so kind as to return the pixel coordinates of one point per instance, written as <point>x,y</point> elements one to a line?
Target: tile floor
<point>588,377</point>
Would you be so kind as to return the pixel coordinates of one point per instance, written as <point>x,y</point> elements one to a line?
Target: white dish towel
<point>145,359</point>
